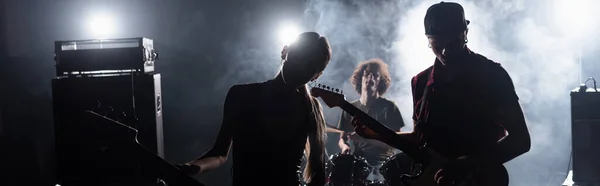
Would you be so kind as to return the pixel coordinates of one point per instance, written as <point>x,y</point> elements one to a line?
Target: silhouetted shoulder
<point>426,71</point>
<point>502,87</point>
<point>486,61</point>
<point>246,89</point>
<point>421,78</point>
<point>492,67</point>
<point>238,94</point>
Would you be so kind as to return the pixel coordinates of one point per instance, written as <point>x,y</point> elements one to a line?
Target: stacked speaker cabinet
<point>585,130</point>
<point>114,78</point>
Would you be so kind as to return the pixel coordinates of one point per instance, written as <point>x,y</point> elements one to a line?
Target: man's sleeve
<point>503,89</point>
<point>395,121</point>
<point>413,86</point>
<point>344,122</point>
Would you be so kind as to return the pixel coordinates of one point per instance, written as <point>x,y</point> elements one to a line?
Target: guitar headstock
<point>333,97</point>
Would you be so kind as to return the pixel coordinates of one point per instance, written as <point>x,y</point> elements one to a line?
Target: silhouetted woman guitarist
<point>271,124</point>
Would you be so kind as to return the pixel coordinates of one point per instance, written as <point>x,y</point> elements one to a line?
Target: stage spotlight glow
<point>573,16</point>
<point>288,33</point>
<point>101,26</point>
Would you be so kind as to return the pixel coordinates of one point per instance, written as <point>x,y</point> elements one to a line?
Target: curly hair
<point>375,64</point>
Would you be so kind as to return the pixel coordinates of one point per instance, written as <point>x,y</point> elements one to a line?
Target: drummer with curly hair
<point>371,79</point>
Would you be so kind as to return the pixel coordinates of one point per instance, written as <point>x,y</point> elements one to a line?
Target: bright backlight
<point>288,33</point>
<point>573,16</point>
<point>101,26</point>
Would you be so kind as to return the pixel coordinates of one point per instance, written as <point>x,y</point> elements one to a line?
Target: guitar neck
<point>368,121</point>
<point>387,135</point>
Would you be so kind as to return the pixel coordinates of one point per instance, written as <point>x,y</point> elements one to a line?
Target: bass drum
<point>394,167</point>
<point>347,170</point>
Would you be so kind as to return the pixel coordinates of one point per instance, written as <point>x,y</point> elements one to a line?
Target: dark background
<point>207,46</point>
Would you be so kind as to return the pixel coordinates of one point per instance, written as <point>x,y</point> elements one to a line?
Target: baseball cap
<point>445,18</point>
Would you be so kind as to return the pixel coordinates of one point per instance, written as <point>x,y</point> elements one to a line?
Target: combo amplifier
<point>585,127</point>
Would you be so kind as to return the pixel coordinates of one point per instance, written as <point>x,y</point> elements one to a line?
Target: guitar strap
<point>420,117</point>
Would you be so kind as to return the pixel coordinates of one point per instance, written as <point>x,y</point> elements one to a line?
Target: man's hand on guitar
<point>453,173</point>
<point>363,130</point>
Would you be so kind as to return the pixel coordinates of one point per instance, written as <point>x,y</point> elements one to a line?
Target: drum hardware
<point>376,183</point>
<point>346,169</point>
<point>353,170</point>
<point>394,167</point>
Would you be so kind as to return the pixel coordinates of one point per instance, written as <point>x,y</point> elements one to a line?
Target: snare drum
<point>394,167</point>
<point>346,169</point>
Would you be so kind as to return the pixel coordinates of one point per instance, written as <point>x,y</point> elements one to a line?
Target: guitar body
<point>491,176</point>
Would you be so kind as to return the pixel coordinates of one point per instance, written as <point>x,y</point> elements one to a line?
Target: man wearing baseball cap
<point>464,105</point>
<point>470,104</point>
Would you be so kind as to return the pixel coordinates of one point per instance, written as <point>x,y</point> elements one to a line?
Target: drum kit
<point>353,170</point>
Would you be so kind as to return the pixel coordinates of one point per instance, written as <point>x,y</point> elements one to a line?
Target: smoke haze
<point>207,46</point>
<point>539,54</point>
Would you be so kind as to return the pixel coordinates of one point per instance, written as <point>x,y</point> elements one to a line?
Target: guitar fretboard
<point>389,136</point>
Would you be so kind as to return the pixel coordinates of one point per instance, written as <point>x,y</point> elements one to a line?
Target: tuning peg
<point>102,109</point>
<point>109,111</point>
<point>337,90</point>
<point>97,106</point>
<point>121,117</point>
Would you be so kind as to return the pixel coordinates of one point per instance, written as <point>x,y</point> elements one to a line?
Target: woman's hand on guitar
<point>363,130</point>
<point>345,149</point>
<point>189,169</point>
